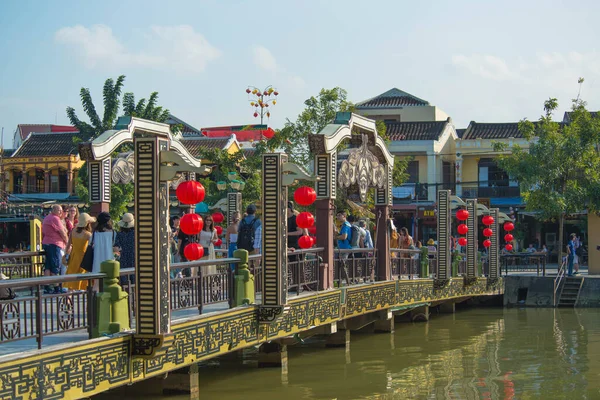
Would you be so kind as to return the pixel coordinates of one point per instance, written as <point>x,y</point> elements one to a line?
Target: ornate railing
<point>405,264</point>
<point>354,266</point>
<point>35,316</point>
<point>303,269</point>
<point>27,264</point>
<point>526,262</point>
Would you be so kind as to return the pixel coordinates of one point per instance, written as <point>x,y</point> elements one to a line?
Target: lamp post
<point>234,197</point>
<point>260,100</point>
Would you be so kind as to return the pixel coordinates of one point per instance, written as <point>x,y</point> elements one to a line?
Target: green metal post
<point>244,280</point>
<point>424,263</point>
<point>112,314</point>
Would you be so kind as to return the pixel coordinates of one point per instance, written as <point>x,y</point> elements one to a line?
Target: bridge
<point>67,345</point>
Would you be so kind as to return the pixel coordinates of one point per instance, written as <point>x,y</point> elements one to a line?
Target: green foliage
<point>560,174</point>
<point>121,195</point>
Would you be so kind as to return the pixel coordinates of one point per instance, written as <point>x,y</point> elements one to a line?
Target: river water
<point>484,353</point>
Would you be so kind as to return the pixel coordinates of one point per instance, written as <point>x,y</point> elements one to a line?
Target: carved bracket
<point>363,168</point>
<point>146,346</point>
<point>171,163</point>
<point>270,314</point>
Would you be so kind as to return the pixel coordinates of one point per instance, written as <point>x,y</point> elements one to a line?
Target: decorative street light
<point>235,184</point>
<point>260,100</point>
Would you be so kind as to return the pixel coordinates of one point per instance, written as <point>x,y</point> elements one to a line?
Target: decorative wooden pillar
<point>383,202</point>
<point>274,238</point>
<point>24,182</point>
<point>472,238</point>
<point>325,188</point>
<point>494,253</point>
<point>234,203</point>
<point>47,176</point>
<point>70,181</point>
<point>99,185</point>
<point>152,237</point>
<point>444,256</point>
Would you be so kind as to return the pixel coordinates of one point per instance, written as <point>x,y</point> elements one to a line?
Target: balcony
<point>474,190</point>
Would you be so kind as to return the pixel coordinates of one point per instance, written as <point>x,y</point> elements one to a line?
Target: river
<point>483,353</point>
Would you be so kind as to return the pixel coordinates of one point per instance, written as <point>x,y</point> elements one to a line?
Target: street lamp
<point>260,100</point>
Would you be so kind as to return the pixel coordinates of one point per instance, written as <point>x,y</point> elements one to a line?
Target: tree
<point>121,195</point>
<point>560,174</point>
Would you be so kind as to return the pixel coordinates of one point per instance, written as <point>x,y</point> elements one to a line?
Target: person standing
<point>103,240</point>
<point>343,237</point>
<point>368,238</point>
<point>54,242</point>
<point>258,240</point>
<point>231,236</point>
<point>247,230</point>
<point>293,231</point>
<point>71,215</point>
<point>78,243</point>
<point>125,245</point>
<point>208,237</point>
<point>571,255</point>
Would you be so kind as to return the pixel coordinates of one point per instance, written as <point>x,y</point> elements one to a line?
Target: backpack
<point>246,235</point>
<point>354,239</point>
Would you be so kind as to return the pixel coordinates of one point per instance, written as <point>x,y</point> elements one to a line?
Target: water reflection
<point>474,354</point>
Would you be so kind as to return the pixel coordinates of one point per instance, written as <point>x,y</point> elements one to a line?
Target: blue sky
<point>477,60</point>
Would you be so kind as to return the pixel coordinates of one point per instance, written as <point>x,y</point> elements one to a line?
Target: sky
<point>476,60</point>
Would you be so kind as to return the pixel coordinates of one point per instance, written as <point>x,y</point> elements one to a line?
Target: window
<point>17,182</point>
<point>413,172</point>
<point>491,175</point>
<point>54,184</point>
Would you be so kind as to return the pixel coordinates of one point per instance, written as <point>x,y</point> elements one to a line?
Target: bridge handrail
<point>48,280</point>
<point>21,254</point>
<point>557,281</point>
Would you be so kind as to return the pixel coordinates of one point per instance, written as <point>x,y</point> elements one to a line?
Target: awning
<point>404,192</point>
<point>40,197</point>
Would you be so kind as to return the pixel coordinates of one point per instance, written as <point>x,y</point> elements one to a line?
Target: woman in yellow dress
<point>78,243</point>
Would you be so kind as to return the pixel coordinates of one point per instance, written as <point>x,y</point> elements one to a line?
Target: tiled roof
<point>26,129</point>
<point>186,129</point>
<point>7,152</point>
<point>415,130</point>
<point>196,145</point>
<point>48,144</point>
<point>478,130</point>
<point>460,132</point>
<point>393,98</point>
<point>567,116</point>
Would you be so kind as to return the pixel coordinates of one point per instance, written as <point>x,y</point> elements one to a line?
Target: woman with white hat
<point>76,247</point>
<point>125,244</point>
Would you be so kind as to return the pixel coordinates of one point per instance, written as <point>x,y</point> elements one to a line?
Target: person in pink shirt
<point>54,241</point>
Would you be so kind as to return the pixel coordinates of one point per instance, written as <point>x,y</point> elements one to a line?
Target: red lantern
<point>462,241</point>
<point>218,243</point>
<point>219,230</point>
<point>509,226</point>
<point>487,232</point>
<point>487,220</point>
<point>312,230</point>
<point>462,229</point>
<point>314,240</point>
<point>191,224</point>
<point>508,247</point>
<point>305,242</point>
<point>193,251</point>
<point>508,237</point>
<point>218,217</point>
<point>462,214</point>
<point>268,133</point>
<point>248,91</point>
<point>190,192</point>
<point>305,196</point>
<point>255,114</point>
<point>487,243</point>
<point>305,220</point>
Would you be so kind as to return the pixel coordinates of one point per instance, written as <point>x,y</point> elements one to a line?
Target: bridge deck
<point>89,367</point>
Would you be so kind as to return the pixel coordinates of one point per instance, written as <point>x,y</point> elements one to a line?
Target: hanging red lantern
<point>487,243</point>
<point>268,133</point>
<point>312,230</point>
<point>218,243</point>
<point>509,226</point>
<point>191,224</point>
<point>190,192</point>
<point>248,91</point>
<point>462,229</point>
<point>314,240</point>
<point>487,220</point>
<point>487,232</point>
<point>462,214</point>
<point>219,230</point>
<point>305,242</point>
<point>462,241</point>
<point>305,220</point>
<point>305,196</point>
<point>193,251</point>
<point>218,217</point>
<point>508,247</point>
<point>508,237</point>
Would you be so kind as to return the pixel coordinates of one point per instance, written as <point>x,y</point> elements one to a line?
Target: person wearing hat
<point>76,247</point>
<point>103,240</point>
<point>125,245</point>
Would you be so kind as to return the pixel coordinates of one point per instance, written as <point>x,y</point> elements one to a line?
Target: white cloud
<point>178,47</point>
<point>264,59</point>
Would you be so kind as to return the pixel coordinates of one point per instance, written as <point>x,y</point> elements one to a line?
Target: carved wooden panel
<point>443,233</point>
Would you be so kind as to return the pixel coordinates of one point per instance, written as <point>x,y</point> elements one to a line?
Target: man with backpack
<point>344,235</point>
<point>247,230</point>
<point>357,237</point>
